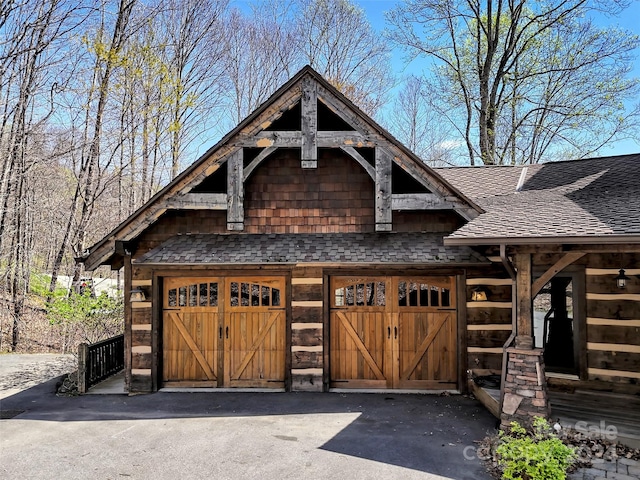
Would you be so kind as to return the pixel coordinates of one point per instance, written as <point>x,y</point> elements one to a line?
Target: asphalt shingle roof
<point>579,198</point>
<point>360,248</point>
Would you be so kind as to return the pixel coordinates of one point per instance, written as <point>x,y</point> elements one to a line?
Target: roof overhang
<point>327,249</point>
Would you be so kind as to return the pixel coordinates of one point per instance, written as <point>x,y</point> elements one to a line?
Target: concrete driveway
<point>241,436</point>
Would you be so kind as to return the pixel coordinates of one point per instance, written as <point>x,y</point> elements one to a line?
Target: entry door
<point>190,332</point>
<point>254,332</point>
<point>393,332</point>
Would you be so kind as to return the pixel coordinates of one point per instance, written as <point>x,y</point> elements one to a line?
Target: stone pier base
<point>525,388</point>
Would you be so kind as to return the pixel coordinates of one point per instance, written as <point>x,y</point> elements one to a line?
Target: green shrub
<point>39,288</point>
<point>89,318</point>
<point>539,455</point>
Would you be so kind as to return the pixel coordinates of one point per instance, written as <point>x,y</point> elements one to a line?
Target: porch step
<point>624,408</point>
<point>598,410</point>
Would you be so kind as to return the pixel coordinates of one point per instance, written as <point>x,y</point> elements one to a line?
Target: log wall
<point>488,322</point>
<point>143,352</point>
<point>613,319</point>
<point>307,333</point>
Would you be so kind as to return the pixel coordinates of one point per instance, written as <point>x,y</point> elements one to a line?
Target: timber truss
<point>306,92</point>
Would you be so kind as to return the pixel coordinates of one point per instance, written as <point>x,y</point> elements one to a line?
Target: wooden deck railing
<point>98,361</point>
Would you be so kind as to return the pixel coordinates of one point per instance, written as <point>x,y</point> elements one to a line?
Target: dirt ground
<point>19,372</point>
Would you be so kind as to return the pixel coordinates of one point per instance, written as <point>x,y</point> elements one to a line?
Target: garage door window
<point>244,294</point>
<point>417,294</point>
<point>368,294</point>
<point>194,295</point>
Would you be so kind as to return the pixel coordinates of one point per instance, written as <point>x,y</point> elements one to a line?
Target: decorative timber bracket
<point>383,191</point>
<point>235,191</point>
<point>309,123</point>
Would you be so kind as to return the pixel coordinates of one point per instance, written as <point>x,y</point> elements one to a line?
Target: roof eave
<point>332,264</point>
<point>576,240</point>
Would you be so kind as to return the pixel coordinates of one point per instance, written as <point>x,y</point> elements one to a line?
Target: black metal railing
<point>98,361</point>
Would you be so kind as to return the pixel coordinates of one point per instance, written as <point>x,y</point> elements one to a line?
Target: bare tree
<point>338,41</point>
<point>144,101</point>
<point>418,126</point>
<point>194,57</point>
<point>107,56</point>
<point>30,51</point>
<point>518,78</point>
<point>260,55</point>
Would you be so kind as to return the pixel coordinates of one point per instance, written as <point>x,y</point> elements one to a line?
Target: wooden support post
<point>383,191</point>
<point>309,124</point>
<point>128,322</point>
<point>235,191</point>
<point>524,308</point>
<point>83,352</point>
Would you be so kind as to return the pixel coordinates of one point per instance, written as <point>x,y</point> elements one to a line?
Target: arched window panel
<point>423,293</point>
<point>250,294</point>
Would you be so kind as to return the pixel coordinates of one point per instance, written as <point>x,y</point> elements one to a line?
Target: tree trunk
<point>86,190</point>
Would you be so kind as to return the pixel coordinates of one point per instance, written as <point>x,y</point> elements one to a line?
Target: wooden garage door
<point>393,332</point>
<point>426,321</point>
<point>224,332</point>
<point>190,331</point>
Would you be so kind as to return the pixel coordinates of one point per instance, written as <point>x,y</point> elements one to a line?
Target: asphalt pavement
<point>241,436</point>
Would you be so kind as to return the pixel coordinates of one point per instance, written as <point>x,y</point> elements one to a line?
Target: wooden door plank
<point>361,347</point>
<point>256,344</point>
<point>392,356</point>
<point>192,345</point>
<point>424,345</point>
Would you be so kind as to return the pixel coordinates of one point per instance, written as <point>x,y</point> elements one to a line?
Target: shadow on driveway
<point>421,433</point>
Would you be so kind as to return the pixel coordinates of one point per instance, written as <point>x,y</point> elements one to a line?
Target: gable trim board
<point>252,129</point>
